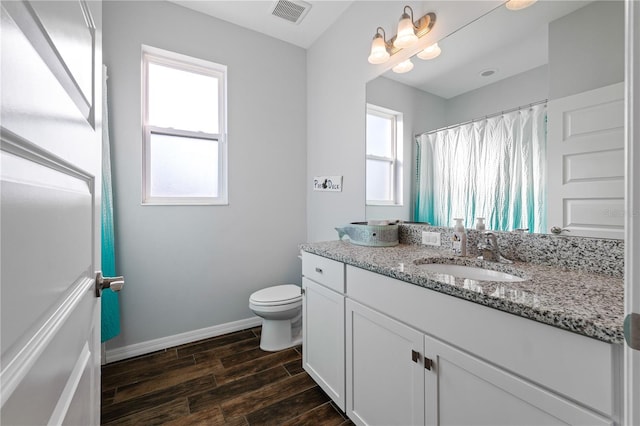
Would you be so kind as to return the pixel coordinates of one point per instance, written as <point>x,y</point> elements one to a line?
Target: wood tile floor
<point>225,380</point>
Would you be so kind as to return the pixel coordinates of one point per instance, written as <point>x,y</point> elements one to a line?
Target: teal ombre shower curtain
<point>110,302</point>
<point>492,168</point>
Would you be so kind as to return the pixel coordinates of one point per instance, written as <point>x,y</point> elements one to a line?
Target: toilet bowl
<point>281,310</point>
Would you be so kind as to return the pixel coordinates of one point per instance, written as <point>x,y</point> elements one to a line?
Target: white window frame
<point>396,135</point>
<point>190,64</point>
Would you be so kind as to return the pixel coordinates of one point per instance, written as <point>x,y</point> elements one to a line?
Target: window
<point>184,126</point>
<point>384,172</point>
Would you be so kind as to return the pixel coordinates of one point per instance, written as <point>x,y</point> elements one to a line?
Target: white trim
<point>69,391</point>
<point>16,369</point>
<point>395,177</point>
<point>195,65</point>
<point>631,414</point>
<point>154,345</point>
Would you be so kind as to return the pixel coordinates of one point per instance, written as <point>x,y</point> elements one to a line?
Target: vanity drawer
<point>327,272</point>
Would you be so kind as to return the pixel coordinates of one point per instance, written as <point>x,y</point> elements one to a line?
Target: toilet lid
<point>277,294</point>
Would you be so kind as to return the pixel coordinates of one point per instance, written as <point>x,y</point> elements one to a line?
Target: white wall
<point>421,111</point>
<point>192,267</point>
<point>580,53</point>
<point>521,89</point>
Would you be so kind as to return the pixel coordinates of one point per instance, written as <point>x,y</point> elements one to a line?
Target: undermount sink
<point>470,272</point>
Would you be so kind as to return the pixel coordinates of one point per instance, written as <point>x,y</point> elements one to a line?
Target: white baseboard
<point>154,345</point>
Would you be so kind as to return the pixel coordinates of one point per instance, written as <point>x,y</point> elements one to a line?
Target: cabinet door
<point>385,385</point>
<point>463,390</point>
<point>323,338</point>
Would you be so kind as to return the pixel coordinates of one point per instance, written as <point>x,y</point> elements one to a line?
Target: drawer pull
<point>428,363</point>
<point>318,270</point>
<point>415,356</point>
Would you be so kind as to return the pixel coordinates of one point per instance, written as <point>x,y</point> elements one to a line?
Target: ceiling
<point>509,42</point>
<point>256,15</point>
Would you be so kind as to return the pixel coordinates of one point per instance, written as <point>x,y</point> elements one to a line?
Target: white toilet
<point>281,310</point>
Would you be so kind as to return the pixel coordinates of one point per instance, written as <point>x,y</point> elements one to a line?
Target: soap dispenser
<point>480,224</point>
<point>459,239</point>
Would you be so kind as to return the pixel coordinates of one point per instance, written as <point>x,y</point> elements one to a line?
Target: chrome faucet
<point>488,248</point>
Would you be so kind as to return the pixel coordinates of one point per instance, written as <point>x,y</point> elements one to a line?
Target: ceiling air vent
<point>292,11</point>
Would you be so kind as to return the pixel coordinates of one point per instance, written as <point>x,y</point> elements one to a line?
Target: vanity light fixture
<point>519,4</point>
<point>404,66</point>
<point>406,30</point>
<point>408,33</point>
<point>430,52</point>
<point>379,53</point>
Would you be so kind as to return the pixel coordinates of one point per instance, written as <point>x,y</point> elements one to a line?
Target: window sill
<point>185,202</point>
<point>383,204</point>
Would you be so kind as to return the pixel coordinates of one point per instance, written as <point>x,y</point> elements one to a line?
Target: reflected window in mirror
<point>384,167</point>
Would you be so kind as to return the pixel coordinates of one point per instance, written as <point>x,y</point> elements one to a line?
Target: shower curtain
<point>110,303</point>
<point>492,168</point>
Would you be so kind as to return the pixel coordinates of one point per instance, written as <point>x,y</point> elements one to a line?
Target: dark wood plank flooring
<point>225,380</point>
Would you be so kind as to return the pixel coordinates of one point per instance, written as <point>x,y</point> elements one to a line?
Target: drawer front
<point>327,272</point>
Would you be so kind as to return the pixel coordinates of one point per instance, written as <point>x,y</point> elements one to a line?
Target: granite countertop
<point>582,302</point>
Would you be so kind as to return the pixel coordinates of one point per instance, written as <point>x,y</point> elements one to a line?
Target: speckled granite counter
<point>587,303</point>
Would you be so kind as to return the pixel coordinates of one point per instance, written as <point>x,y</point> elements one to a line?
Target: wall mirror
<point>503,61</point>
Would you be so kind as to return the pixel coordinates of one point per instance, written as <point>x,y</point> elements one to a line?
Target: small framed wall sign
<point>327,183</point>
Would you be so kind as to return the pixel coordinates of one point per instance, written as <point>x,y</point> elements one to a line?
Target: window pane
<point>182,100</point>
<point>378,180</point>
<point>379,136</point>
<point>183,167</point>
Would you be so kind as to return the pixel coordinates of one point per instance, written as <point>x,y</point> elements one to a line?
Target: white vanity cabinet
<point>385,379</point>
<point>485,367</point>
<point>323,304</point>
<point>399,376</point>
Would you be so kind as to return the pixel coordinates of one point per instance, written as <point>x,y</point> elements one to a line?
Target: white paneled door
<point>585,163</point>
<point>50,199</point>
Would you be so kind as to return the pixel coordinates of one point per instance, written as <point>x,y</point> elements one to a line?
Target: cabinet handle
<point>428,363</point>
<point>318,270</point>
<point>415,356</point>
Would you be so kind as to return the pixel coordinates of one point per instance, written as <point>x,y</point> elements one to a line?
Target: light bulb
<point>379,53</point>
<point>406,34</point>
<point>402,67</point>
<point>519,4</point>
<point>430,52</point>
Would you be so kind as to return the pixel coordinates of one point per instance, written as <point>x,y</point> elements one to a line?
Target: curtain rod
<point>544,101</point>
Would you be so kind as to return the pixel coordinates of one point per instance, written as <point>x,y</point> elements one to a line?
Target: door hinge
<point>632,330</point>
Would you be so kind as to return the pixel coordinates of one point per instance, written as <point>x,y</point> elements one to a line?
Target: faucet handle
<point>490,238</point>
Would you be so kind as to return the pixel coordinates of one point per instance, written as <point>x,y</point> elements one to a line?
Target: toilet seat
<point>277,295</point>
